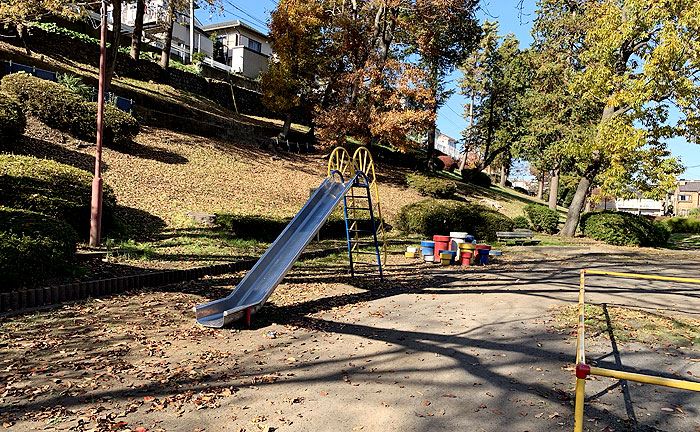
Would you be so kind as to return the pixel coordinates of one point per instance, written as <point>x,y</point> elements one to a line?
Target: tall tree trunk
<point>471,123</point>
<point>554,188</point>
<point>165,54</point>
<point>584,185</point>
<point>138,30</point>
<point>287,125</point>
<point>540,186</point>
<point>504,176</point>
<point>431,147</point>
<point>22,33</point>
<point>116,38</point>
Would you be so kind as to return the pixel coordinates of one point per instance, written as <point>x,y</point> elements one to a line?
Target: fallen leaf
<point>425,403</point>
<point>449,395</point>
<point>324,393</point>
<point>497,412</point>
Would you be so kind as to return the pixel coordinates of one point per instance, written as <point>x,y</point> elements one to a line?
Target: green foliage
<point>694,212</point>
<point>267,228</point>
<point>623,229</point>
<point>75,84</point>
<point>477,177</point>
<point>198,57</point>
<point>430,217</point>
<point>12,120</point>
<point>542,217</point>
<point>496,75</point>
<point>187,68</point>
<point>33,246</point>
<point>56,29</point>
<point>432,185</point>
<point>52,188</point>
<point>687,225</point>
<point>60,108</point>
<point>521,222</point>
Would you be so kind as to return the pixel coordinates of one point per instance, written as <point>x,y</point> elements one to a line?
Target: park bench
<point>518,236</point>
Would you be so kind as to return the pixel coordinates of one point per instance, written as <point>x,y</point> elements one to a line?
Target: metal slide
<point>252,292</point>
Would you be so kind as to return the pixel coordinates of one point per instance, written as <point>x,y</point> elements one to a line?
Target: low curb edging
<point>19,301</point>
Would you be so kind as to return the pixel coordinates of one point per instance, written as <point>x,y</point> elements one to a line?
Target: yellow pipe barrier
<point>580,349</point>
<point>641,276</point>
<point>578,406</point>
<point>648,379</point>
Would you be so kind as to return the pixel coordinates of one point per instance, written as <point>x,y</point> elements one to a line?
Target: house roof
<point>233,24</point>
<point>691,186</point>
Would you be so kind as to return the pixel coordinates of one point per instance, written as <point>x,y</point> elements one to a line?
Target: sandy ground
<point>429,349</point>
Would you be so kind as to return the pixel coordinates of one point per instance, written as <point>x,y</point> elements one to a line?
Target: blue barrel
<point>495,253</point>
<point>470,238</point>
<point>483,256</point>
<point>427,247</point>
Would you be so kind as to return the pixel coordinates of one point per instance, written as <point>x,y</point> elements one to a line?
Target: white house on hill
<point>244,49</point>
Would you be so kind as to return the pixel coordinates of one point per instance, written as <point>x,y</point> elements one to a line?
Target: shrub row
<point>543,218</point>
<point>521,222</point>
<point>60,108</point>
<point>12,120</point>
<point>33,246</point>
<point>689,225</point>
<point>431,185</point>
<point>52,188</point>
<point>431,216</point>
<point>623,229</point>
<point>267,228</point>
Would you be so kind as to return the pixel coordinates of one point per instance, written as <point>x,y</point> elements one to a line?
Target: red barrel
<point>466,258</point>
<point>441,243</point>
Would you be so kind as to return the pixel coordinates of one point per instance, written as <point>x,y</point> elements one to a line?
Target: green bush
<point>521,222</point>
<point>267,228</point>
<point>60,108</point>
<point>623,229</point>
<point>75,84</point>
<point>52,188</point>
<point>688,225</point>
<point>543,218</point>
<point>477,177</point>
<point>431,216</point>
<point>431,185</point>
<point>33,246</point>
<point>12,120</point>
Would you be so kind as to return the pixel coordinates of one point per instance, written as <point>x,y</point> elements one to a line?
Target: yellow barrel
<point>446,255</point>
<point>411,254</point>
<point>445,261</point>
<point>467,246</point>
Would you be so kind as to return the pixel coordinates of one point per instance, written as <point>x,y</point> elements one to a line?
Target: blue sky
<point>450,120</point>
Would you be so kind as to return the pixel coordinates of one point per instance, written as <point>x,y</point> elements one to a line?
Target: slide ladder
<point>360,223</point>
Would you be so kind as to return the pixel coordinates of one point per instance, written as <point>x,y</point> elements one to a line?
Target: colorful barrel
<point>496,253</point>
<point>470,238</point>
<point>446,254</point>
<point>427,247</point>
<point>445,261</point>
<point>441,243</point>
<point>410,254</point>
<point>483,256</point>
<point>429,258</point>
<point>466,257</point>
<point>412,249</point>
<point>455,239</point>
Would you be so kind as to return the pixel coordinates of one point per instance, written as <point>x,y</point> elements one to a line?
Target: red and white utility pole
<point>96,205</point>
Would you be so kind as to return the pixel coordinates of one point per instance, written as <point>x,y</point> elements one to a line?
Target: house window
<point>683,197</point>
<point>254,45</point>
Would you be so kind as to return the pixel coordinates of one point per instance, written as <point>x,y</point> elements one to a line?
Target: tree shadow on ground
<point>30,146</point>
<point>157,154</point>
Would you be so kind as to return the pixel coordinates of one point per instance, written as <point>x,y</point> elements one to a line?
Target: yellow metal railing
<point>583,370</point>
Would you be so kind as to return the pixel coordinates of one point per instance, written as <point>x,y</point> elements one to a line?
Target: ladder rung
<point>358,231</point>
<point>366,264</point>
<point>364,253</point>
<point>358,208</point>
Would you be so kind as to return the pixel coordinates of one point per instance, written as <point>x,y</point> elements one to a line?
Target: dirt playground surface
<point>430,348</point>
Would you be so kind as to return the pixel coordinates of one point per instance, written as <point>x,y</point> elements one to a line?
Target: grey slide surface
<point>268,272</point>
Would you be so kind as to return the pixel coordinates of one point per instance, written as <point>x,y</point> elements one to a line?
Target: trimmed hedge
<point>60,108</point>
<point>543,218</point>
<point>623,229</point>
<point>12,120</point>
<point>267,228</point>
<point>521,222</point>
<point>431,216</point>
<point>448,163</point>
<point>33,246</point>
<point>52,188</point>
<point>688,225</point>
<point>432,186</point>
<point>477,177</point>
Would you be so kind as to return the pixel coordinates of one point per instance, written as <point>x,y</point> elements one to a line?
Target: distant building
<point>641,206</point>
<point>686,197</point>
<point>244,49</point>
<point>154,32</point>
<point>448,146</point>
